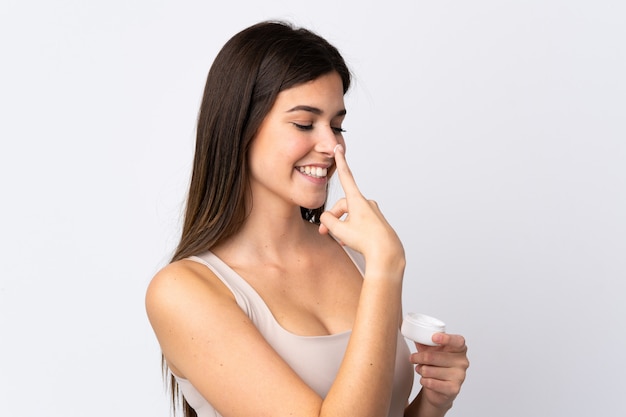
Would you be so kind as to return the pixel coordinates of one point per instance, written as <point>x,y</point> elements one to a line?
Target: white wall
<point>492,133</point>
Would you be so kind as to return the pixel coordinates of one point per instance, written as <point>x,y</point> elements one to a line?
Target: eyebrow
<point>314,110</point>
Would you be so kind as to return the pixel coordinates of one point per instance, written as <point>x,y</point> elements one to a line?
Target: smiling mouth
<point>315,172</point>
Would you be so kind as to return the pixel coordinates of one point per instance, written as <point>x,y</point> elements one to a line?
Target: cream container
<point>420,328</point>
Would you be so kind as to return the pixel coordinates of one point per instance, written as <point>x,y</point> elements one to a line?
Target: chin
<point>313,206</point>
<point>311,201</point>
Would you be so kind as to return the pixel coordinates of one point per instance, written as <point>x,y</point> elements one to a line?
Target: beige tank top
<point>316,359</point>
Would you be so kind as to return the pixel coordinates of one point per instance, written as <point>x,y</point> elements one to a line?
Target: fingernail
<point>338,147</point>
<point>438,338</point>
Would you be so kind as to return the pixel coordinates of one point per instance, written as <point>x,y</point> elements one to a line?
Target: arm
<point>442,369</point>
<point>368,366</point>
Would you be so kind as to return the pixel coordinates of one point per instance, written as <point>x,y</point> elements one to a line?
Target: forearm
<point>364,381</point>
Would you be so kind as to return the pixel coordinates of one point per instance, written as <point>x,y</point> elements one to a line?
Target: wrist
<point>385,267</point>
<point>422,407</point>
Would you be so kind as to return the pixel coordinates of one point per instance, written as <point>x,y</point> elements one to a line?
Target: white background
<point>492,134</point>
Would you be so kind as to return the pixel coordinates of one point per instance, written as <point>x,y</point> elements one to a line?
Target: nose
<point>327,140</point>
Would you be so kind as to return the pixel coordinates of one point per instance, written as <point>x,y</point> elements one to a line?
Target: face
<point>291,157</point>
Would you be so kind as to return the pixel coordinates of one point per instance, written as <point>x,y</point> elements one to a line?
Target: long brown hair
<point>246,76</point>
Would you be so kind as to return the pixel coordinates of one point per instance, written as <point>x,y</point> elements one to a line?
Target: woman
<point>266,308</point>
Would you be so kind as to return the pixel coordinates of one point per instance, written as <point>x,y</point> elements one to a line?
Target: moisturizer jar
<point>420,328</point>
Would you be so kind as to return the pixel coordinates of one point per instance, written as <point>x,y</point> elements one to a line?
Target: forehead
<point>324,92</point>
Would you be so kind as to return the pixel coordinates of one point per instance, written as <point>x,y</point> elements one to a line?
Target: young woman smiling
<point>272,304</point>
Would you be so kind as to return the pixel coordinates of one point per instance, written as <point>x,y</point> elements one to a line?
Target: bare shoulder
<point>184,275</point>
<point>178,297</point>
<point>179,281</point>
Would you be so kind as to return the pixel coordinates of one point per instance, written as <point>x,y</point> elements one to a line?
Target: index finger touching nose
<point>343,171</point>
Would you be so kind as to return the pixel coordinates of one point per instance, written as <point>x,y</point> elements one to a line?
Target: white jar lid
<point>421,327</point>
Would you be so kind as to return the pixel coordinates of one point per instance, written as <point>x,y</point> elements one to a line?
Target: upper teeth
<point>314,171</point>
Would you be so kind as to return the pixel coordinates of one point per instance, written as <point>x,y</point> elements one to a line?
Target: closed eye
<point>303,127</point>
<point>310,127</point>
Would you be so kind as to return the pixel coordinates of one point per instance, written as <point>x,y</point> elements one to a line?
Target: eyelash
<point>310,127</point>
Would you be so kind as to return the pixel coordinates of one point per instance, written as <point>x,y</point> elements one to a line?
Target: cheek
<point>293,149</point>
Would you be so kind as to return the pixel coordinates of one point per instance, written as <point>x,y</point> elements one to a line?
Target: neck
<point>271,235</point>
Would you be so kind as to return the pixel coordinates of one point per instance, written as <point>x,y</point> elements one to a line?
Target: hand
<point>364,229</point>
<point>442,368</point>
